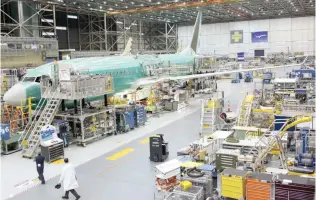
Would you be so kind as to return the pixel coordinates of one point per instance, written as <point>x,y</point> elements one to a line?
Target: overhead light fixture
<point>110,8</point>
<point>104,2</point>
<point>134,24</point>
<point>132,2</point>
<point>88,4</point>
<point>72,16</point>
<point>158,2</point>
<point>141,4</point>
<point>48,33</point>
<point>47,20</point>
<point>61,28</point>
<point>100,7</point>
<point>49,10</point>
<point>296,10</point>
<point>127,28</point>
<point>126,6</point>
<point>119,22</point>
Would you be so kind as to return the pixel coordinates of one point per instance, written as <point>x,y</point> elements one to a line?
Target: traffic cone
<point>228,107</point>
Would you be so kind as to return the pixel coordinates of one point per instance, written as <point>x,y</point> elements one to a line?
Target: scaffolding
<point>54,94</point>
<point>96,30</point>
<point>269,139</point>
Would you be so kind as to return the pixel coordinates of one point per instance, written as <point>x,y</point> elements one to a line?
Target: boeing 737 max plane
<point>128,71</point>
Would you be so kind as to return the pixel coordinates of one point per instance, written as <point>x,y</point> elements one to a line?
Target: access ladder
<point>31,134</point>
<point>207,118</point>
<point>245,111</point>
<point>269,139</point>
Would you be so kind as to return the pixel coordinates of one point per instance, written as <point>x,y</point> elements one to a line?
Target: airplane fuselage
<point>125,71</point>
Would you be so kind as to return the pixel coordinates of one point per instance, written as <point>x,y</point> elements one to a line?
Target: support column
<point>54,17</point>
<point>83,102</point>
<point>105,100</point>
<point>63,106</point>
<point>76,106</point>
<point>105,34</point>
<point>166,34</point>
<point>67,25</point>
<point>21,17</point>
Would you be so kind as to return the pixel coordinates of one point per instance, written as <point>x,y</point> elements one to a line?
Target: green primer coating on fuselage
<point>125,70</point>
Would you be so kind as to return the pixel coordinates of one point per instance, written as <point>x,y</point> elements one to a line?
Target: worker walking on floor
<point>69,180</point>
<point>39,159</point>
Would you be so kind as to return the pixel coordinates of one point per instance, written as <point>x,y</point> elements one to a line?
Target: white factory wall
<point>287,34</point>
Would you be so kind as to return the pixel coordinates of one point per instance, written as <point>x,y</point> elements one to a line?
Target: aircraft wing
<point>153,80</point>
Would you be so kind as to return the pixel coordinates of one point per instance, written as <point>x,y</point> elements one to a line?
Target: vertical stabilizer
<point>192,47</point>
<point>128,47</point>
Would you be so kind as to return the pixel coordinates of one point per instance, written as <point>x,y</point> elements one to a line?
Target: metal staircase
<point>269,139</point>
<point>31,134</point>
<point>207,118</point>
<point>244,112</point>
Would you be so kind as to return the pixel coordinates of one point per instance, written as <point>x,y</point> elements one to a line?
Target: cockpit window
<point>28,79</point>
<point>38,79</point>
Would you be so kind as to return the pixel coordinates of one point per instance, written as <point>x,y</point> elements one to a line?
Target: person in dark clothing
<point>39,159</point>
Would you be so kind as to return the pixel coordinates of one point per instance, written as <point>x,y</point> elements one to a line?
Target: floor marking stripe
<point>146,140</point>
<point>120,154</point>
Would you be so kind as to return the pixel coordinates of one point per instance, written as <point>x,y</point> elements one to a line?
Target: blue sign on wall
<point>241,56</point>
<point>261,36</point>
<point>5,131</point>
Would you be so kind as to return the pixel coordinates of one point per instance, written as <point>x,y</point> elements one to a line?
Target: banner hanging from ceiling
<point>241,56</point>
<point>236,37</point>
<point>261,36</point>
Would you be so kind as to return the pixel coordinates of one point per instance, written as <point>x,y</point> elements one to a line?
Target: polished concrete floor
<point>129,177</point>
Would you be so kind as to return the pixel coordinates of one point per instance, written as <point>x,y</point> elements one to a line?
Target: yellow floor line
<point>144,141</point>
<point>120,154</point>
<point>58,162</point>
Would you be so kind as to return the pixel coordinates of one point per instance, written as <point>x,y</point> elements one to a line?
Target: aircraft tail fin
<point>128,47</point>
<point>192,47</point>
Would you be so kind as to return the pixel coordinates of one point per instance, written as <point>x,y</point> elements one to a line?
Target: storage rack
<point>90,124</point>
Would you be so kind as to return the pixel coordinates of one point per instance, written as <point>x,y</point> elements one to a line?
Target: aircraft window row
<point>121,72</point>
<point>28,79</point>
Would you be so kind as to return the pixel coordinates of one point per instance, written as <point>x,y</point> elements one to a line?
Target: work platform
<point>65,85</point>
<point>79,87</point>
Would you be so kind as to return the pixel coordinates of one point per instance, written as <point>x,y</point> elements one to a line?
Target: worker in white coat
<point>69,180</point>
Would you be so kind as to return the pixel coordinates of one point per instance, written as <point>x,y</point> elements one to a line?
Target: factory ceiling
<point>184,11</point>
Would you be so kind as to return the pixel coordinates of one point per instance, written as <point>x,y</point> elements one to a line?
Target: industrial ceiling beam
<point>170,6</point>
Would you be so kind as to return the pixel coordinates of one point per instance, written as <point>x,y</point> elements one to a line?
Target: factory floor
<point>100,178</point>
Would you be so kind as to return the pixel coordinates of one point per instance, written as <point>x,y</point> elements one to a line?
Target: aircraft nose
<point>15,95</point>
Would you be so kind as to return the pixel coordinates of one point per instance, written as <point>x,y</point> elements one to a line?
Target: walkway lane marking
<point>146,140</point>
<point>120,154</point>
